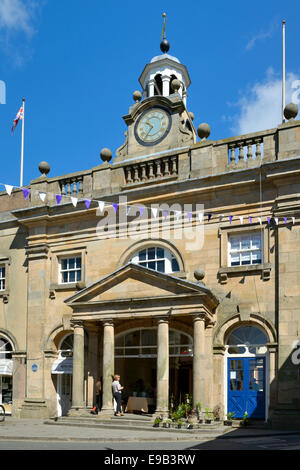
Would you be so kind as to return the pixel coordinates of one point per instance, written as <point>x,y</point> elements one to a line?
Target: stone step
<point>120,423</point>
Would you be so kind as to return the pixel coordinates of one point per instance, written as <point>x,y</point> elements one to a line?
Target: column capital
<point>107,322</point>
<point>163,319</point>
<point>77,323</point>
<point>199,316</point>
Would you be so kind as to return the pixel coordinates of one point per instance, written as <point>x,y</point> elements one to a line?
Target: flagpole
<point>22,145</point>
<point>283,69</point>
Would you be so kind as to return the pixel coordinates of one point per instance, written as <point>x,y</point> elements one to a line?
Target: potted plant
<point>167,423</point>
<point>217,412</point>
<point>245,420</point>
<point>228,422</point>
<point>199,414</point>
<point>179,423</point>
<point>207,416</point>
<point>157,422</point>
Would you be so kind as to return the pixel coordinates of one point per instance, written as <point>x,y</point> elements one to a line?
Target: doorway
<point>64,394</point>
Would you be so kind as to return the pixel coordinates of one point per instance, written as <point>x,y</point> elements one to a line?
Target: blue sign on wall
<point>34,367</point>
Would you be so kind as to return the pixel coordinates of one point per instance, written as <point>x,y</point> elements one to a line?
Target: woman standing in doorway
<point>117,394</point>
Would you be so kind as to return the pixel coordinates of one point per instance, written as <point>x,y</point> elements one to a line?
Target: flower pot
<point>227,423</point>
<point>208,421</point>
<point>156,425</point>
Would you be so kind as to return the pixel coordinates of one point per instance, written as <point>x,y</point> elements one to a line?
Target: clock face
<point>152,126</point>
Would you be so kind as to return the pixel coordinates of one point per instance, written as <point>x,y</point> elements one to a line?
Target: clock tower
<point>159,120</point>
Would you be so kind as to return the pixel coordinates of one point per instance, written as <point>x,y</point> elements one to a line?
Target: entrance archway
<point>6,370</point>
<point>135,361</point>
<point>246,372</point>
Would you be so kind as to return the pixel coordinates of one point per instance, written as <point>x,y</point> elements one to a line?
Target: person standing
<point>117,394</point>
<point>99,394</point>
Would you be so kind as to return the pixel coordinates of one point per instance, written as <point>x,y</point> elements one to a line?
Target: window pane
<point>160,253</point>
<point>142,255</point>
<point>78,276</point>
<point>65,277</point>
<point>161,266</point>
<point>175,265</point>
<point>151,265</point>
<point>151,253</point>
<point>245,242</point>
<point>235,243</point>
<point>64,264</point>
<point>235,260</point>
<point>246,258</point>
<point>256,241</point>
<point>256,257</point>
<point>71,263</point>
<point>72,276</point>
<point>78,262</point>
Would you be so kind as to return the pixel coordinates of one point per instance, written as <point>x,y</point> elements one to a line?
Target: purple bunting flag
<point>230,218</point>
<point>285,220</point>
<point>141,209</point>
<point>58,198</point>
<point>189,214</point>
<point>268,219</point>
<point>87,203</point>
<point>250,219</point>
<point>115,206</point>
<point>26,193</point>
<point>165,214</point>
<point>209,216</point>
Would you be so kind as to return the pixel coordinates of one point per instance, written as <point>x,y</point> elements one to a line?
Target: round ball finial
<point>199,274</point>
<point>44,168</point>
<point>105,154</point>
<point>203,131</point>
<point>175,84</point>
<point>164,45</point>
<point>290,111</point>
<point>137,96</point>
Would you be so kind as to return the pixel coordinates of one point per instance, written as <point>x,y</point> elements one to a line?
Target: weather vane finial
<point>163,33</point>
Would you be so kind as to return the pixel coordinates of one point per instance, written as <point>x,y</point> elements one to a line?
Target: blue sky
<point>77,63</point>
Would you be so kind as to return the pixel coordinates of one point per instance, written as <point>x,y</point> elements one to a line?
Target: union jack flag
<point>20,115</point>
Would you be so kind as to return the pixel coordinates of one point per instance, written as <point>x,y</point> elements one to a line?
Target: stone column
<point>272,348</point>
<point>162,396</point>
<point>78,369</point>
<point>209,367</point>
<point>199,361</point>
<point>108,366</point>
<point>92,369</point>
<point>166,85</point>
<point>151,88</point>
<point>218,378</point>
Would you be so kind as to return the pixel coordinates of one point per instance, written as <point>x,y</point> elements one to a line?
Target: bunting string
<point>202,216</point>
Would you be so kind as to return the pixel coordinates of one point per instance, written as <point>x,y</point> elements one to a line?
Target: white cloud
<point>261,36</point>
<point>260,107</point>
<point>16,15</point>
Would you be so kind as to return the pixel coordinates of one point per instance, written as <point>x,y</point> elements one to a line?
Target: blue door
<point>246,387</point>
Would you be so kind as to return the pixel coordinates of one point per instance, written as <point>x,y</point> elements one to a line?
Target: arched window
<point>157,84</point>
<point>247,339</point>
<point>66,347</point>
<point>5,348</point>
<point>157,258</point>
<point>143,343</point>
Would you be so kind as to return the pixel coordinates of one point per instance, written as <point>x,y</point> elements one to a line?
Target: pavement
<point>15,429</point>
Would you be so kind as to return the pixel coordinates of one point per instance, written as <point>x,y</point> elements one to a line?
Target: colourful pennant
<point>8,188</point>
<point>74,201</point>
<point>87,203</point>
<point>101,206</point>
<point>26,193</point>
<point>115,206</point>
<point>42,196</point>
<point>58,198</point>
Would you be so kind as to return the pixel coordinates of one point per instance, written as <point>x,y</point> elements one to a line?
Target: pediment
<point>133,282</point>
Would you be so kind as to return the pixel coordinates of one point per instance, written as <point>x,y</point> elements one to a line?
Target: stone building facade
<point>207,306</point>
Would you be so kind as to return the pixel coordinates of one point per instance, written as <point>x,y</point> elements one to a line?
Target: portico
<point>133,296</point>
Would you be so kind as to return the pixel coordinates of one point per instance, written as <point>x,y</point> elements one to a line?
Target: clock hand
<point>149,123</point>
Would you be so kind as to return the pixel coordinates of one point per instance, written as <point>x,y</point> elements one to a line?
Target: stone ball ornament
<point>137,96</point>
<point>203,131</point>
<point>106,154</point>
<point>44,168</point>
<point>175,85</point>
<point>199,274</point>
<point>290,111</point>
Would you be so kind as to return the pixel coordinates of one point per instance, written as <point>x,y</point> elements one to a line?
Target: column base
<point>79,411</point>
<point>163,413</point>
<point>34,408</point>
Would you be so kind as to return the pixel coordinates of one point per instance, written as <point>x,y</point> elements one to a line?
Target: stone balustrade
<point>141,172</point>
<point>245,149</point>
<point>72,186</point>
